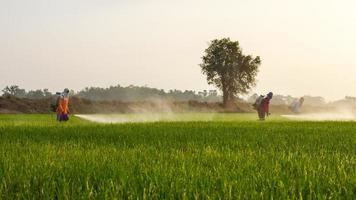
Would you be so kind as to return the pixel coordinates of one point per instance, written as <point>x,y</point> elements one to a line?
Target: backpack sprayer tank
<point>55,101</point>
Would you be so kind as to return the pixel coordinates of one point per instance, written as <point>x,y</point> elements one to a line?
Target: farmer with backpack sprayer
<point>296,105</point>
<point>62,109</point>
<point>262,105</point>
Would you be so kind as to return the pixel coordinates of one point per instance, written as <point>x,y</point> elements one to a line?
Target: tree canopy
<point>229,69</point>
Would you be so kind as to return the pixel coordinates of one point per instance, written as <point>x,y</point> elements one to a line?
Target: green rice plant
<point>201,156</point>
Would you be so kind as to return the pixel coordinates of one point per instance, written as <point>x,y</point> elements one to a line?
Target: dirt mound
<point>84,106</point>
<point>11,104</point>
<point>77,105</point>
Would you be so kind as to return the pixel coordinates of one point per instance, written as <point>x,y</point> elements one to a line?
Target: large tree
<point>228,69</point>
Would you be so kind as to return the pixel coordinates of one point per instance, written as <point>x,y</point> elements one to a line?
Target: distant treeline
<point>142,93</point>
<point>119,93</point>
<point>136,93</point>
<point>16,91</point>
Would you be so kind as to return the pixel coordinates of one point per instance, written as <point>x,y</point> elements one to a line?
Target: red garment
<point>263,109</point>
<point>265,105</point>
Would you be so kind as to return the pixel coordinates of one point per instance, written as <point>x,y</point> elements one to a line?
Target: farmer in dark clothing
<point>263,107</point>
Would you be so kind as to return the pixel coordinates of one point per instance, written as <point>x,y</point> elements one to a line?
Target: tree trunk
<point>225,98</point>
<point>231,99</point>
<point>229,104</point>
<point>228,97</point>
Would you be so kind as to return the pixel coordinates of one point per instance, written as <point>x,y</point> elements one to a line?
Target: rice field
<point>187,156</point>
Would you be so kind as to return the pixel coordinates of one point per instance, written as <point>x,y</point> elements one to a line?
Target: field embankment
<point>13,105</point>
<point>80,105</point>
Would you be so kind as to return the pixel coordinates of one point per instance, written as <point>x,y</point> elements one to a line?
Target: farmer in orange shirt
<point>62,110</point>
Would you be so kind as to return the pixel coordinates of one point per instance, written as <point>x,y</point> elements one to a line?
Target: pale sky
<point>306,46</point>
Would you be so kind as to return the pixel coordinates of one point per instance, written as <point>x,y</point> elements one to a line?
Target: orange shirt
<point>63,105</point>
